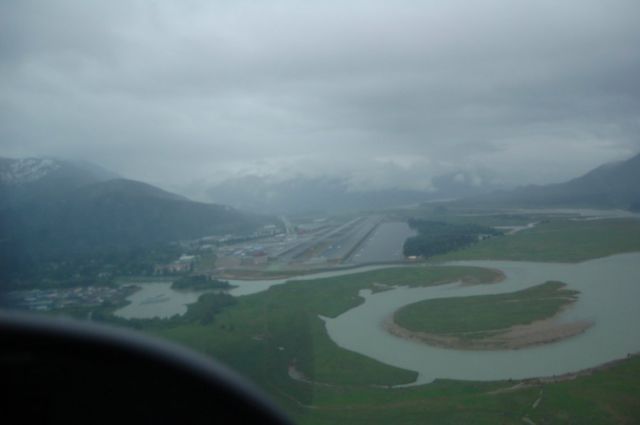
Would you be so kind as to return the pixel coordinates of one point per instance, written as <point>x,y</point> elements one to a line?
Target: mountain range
<point>55,209</point>
<point>612,185</point>
<point>52,207</point>
<point>334,194</point>
<point>27,179</point>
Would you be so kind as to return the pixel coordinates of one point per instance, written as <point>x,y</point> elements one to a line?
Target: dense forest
<point>85,234</point>
<point>435,237</point>
<point>19,270</point>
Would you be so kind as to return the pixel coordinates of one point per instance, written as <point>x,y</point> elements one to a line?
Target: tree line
<point>436,237</point>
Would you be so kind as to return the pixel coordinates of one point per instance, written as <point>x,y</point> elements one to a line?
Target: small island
<point>200,283</point>
<point>490,322</point>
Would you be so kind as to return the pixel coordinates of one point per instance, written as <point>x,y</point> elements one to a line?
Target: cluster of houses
<point>184,264</point>
<point>248,255</point>
<point>53,299</point>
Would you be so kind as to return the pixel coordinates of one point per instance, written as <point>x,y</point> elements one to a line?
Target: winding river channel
<point>158,299</point>
<point>609,296</point>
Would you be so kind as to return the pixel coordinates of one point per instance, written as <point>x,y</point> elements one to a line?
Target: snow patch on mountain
<point>27,170</point>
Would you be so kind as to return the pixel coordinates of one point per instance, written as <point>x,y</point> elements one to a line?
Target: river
<point>610,296</point>
<point>158,299</point>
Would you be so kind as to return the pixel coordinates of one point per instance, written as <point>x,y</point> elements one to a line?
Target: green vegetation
<point>456,215</point>
<point>472,317</point>
<point>264,334</point>
<point>105,309</point>
<point>107,226</point>
<point>606,397</point>
<point>204,311</point>
<point>558,241</point>
<point>102,267</point>
<point>199,282</point>
<point>435,237</point>
<point>201,313</point>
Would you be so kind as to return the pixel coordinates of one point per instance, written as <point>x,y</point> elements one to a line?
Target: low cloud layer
<point>389,93</point>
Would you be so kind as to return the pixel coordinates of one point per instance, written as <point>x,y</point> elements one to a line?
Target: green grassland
<point>483,217</point>
<point>349,384</point>
<point>606,397</point>
<point>557,241</point>
<point>471,317</point>
<point>263,334</point>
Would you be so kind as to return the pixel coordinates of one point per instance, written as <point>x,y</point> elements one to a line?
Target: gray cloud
<point>173,92</point>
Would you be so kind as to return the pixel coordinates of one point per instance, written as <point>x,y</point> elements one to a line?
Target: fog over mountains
<point>75,189</point>
<point>172,92</point>
<point>43,179</point>
<point>58,208</point>
<point>55,209</point>
<point>26,179</point>
<point>329,194</point>
<point>612,185</point>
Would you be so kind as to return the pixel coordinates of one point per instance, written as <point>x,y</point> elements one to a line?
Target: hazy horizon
<point>184,94</point>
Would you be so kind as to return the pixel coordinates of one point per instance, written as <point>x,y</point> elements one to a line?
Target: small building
<point>175,267</point>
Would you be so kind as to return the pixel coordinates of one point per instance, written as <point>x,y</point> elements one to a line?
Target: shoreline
<point>292,273</point>
<point>540,332</point>
<point>569,376</point>
<point>469,280</point>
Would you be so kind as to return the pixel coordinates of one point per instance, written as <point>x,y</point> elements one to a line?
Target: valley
<point>417,311</point>
<point>320,212</point>
<point>351,365</point>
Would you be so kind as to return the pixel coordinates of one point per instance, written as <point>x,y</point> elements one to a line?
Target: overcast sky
<point>389,93</point>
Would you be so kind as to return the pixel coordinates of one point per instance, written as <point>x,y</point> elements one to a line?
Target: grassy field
<point>471,317</point>
<point>606,397</point>
<point>263,334</point>
<point>483,217</point>
<point>557,241</point>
